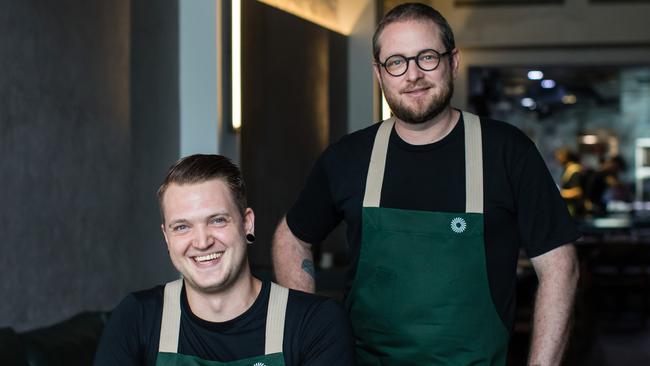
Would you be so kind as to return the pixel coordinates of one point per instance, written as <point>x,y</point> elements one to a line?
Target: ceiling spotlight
<point>528,103</point>
<point>589,139</point>
<point>535,75</point>
<point>548,84</point>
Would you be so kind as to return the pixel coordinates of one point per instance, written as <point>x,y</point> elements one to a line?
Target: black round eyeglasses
<point>427,60</point>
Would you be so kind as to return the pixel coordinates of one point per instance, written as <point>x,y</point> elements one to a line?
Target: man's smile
<point>207,257</point>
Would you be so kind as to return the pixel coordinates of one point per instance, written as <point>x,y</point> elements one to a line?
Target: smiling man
<point>438,204</point>
<point>218,313</point>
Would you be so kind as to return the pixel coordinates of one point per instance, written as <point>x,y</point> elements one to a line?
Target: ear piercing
<point>250,238</point>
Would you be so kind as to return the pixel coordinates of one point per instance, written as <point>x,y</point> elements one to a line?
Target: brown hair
<point>200,168</point>
<point>414,11</point>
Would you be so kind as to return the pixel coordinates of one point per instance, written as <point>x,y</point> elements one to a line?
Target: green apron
<point>170,329</point>
<point>421,294</point>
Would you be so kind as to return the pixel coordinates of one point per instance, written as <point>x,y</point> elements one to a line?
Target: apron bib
<point>421,294</point>
<point>170,330</point>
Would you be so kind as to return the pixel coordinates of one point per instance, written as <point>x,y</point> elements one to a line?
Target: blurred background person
<point>571,181</point>
<point>605,185</point>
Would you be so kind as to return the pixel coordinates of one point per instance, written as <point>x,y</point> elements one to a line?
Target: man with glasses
<point>438,204</point>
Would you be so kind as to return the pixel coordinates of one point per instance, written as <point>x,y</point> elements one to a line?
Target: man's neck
<point>227,304</point>
<point>430,131</point>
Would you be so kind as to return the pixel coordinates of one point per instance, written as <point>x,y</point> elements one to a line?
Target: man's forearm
<point>293,260</point>
<point>554,308</point>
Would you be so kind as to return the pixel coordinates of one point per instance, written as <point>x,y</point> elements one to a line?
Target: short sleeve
<point>544,221</point>
<point>327,337</point>
<point>314,215</point>
<point>119,342</point>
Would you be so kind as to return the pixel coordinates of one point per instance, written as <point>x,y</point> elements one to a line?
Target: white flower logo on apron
<point>458,225</point>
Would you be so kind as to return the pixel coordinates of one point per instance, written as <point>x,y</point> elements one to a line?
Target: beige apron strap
<point>473,163</point>
<point>171,317</point>
<point>275,319</point>
<point>375,178</point>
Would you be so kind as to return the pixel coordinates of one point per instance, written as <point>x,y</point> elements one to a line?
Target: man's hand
<point>558,274</point>
<point>293,260</point>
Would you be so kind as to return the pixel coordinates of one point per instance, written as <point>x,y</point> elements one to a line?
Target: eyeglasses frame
<point>414,58</point>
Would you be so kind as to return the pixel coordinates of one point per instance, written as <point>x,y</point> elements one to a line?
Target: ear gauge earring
<point>250,238</point>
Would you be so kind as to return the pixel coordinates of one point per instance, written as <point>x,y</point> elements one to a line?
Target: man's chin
<point>414,120</point>
<point>420,118</point>
<point>207,287</point>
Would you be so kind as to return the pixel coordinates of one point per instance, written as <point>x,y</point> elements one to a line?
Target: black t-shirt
<point>316,331</point>
<point>523,207</point>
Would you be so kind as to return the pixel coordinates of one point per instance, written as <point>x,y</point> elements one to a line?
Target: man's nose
<point>203,238</point>
<point>413,71</point>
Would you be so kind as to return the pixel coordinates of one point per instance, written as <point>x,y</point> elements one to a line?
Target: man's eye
<point>428,57</point>
<point>394,63</point>
<point>179,228</point>
<point>218,220</point>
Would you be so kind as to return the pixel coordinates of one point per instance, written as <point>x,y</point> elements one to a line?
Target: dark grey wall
<point>155,133</point>
<point>65,145</point>
<point>290,109</point>
<point>72,145</point>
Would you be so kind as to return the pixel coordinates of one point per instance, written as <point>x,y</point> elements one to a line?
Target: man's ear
<point>455,62</point>
<point>377,70</point>
<point>249,221</point>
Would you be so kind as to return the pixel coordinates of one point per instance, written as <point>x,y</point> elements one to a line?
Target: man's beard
<point>437,104</point>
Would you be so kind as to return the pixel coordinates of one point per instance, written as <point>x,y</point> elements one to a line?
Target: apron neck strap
<point>276,312</point>
<point>375,177</point>
<point>171,318</point>
<point>473,164</point>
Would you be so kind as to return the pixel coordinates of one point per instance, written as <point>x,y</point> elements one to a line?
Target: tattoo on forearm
<point>308,266</point>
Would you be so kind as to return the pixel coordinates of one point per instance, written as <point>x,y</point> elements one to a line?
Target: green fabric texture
<point>176,359</point>
<point>421,294</point>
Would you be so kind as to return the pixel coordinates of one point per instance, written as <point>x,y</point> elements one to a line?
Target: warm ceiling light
<point>569,99</point>
<point>337,15</point>
<point>514,90</point>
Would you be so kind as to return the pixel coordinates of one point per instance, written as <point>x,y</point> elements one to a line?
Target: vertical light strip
<point>236,64</point>
<point>385,109</point>
<point>219,30</point>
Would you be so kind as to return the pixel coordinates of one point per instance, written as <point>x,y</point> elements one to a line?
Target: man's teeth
<point>208,257</point>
